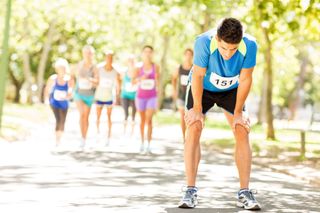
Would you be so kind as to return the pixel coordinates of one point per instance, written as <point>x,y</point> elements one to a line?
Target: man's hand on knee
<point>191,116</point>
<point>242,120</point>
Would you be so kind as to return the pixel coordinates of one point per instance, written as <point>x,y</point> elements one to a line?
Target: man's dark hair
<point>188,50</point>
<point>230,31</point>
<point>147,46</point>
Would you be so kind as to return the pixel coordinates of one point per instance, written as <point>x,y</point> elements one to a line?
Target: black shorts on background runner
<point>226,100</point>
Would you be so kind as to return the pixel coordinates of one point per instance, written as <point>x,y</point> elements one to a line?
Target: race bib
<point>147,84</point>
<point>84,83</point>
<point>60,95</point>
<point>129,87</point>
<point>102,94</point>
<point>105,83</point>
<point>223,82</point>
<point>184,80</point>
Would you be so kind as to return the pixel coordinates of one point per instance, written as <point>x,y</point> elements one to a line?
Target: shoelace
<point>185,189</point>
<point>249,193</point>
<point>189,191</point>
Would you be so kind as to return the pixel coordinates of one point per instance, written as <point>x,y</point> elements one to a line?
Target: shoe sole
<point>185,206</point>
<point>255,207</point>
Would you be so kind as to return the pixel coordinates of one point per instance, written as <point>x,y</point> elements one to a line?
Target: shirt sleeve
<point>250,58</point>
<point>201,52</point>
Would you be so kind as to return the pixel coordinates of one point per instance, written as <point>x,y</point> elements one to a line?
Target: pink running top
<point>147,87</point>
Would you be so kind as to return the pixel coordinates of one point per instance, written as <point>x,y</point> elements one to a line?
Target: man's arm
<point>244,87</point>
<point>174,82</point>
<point>245,80</point>
<point>200,64</point>
<point>195,113</point>
<point>198,74</point>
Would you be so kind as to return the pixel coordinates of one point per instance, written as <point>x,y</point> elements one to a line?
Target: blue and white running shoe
<point>189,198</point>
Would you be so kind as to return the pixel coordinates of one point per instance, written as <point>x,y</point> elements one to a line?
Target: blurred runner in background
<point>58,91</point>
<point>146,100</point>
<point>86,75</point>
<point>109,82</point>
<point>128,95</point>
<point>179,83</point>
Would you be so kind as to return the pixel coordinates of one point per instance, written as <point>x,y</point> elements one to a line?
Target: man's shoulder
<point>203,40</point>
<point>249,40</point>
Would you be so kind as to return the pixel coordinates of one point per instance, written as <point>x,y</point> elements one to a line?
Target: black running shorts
<point>225,100</point>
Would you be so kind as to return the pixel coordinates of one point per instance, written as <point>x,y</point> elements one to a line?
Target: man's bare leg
<point>243,155</point>
<point>192,153</point>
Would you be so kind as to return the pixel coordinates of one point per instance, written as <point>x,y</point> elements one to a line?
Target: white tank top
<point>107,82</point>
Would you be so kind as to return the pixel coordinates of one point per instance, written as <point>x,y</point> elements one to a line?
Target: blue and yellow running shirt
<point>222,75</point>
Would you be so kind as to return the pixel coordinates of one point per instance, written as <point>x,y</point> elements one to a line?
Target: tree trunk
<point>164,70</point>
<point>17,84</point>
<point>205,26</point>
<point>269,80</point>
<point>262,103</point>
<point>27,75</point>
<point>4,57</point>
<point>296,99</point>
<point>26,68</point>
<point>43,60</point>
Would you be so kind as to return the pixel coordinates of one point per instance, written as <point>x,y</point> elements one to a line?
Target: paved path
<point>37,178</point>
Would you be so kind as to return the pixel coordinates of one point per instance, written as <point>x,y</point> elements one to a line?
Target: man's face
<point>226,50</point>
<point>188,56</point>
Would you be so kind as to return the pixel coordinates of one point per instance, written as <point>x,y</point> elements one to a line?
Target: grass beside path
<point>18,118</point>
<point>286,147</point>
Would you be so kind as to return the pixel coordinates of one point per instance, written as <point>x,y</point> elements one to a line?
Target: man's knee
<point>241,129</point>
<point>240,125</point>
<point>193,133</point>
<point>241,135</point>
<point>195,127</point>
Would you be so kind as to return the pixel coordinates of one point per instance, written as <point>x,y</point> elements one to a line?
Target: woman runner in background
<point>128,95</point>
<point>86,77</point>
<point>146,99</point>
<point>59,90</point>
<point>109,80</point>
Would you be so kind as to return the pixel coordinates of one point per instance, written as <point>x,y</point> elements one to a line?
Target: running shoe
<point>142,148</point>
<point>82,143</point>
<point>107,142</point>
<point>247,201</point>
<point>148,149</point>
<point>190,198</point>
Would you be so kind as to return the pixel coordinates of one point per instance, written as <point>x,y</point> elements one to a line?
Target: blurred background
<point>285,93</point>
<point>284,107</point>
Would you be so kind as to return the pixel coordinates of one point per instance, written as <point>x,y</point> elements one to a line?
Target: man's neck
<point>187,64</point>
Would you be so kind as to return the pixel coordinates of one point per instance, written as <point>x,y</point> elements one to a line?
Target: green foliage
<point>291,26</point>
<point>126,25</point>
